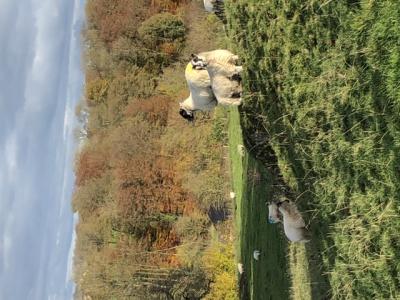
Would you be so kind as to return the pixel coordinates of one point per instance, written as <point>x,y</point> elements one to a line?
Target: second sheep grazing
<point>293,223</point>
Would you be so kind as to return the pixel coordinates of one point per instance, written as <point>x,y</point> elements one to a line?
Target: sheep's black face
<point>188,115</point>
<point>198,63</point>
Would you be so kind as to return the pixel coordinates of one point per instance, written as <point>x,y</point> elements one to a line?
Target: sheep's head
<point>186,114</point>
<point>273,213</point>
<point>198,62</point>
<point>271,220</point>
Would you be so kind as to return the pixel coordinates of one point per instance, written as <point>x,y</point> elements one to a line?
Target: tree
<point>183,283</point>
<point>115,18</point>
<point>161,28</point>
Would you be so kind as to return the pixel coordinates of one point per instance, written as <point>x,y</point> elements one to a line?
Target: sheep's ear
<point>194,57</point>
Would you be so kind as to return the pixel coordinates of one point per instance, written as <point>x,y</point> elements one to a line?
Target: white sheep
<point>293,223</point>
<point>201,94</point>
<point>203,89</point>
<point>224,74</point>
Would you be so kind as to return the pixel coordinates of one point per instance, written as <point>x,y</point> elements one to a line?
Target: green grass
<point>322,112</point>
<point>301,288</point>
<point>266,278</point>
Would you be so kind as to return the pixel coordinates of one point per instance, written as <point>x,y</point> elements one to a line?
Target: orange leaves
<point>128,193</point>
<point>118,18</point>
<point>115,18</point>
<point>167,5</point>
<point>90,164</point>
<point>153,109</point>
<point>170,49</point>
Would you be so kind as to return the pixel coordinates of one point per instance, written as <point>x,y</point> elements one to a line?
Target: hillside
<point>320,123</point>
<point>321,112</point>
<point>151,190</point>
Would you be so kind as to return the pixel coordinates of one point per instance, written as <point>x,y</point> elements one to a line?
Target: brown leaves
<point>154,109</point>
<point>115,18</point>
<point>91,163</point>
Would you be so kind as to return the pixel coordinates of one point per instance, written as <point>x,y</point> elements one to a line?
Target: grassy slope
<point>266,278</point>
<point>322,85</point>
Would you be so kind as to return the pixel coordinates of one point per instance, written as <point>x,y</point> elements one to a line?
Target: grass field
<point>322,114</point>
<point>268,277</point>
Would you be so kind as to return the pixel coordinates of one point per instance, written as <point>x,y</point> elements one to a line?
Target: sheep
<point>225,83</point>
<point>224,74</point>
<point>201,94</point>
<point>293,223</point>
<point>217,7</point>
<point>202,88</point>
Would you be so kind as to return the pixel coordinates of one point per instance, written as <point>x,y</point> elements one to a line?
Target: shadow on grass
<point>265,156</point>
<point>267,278</point>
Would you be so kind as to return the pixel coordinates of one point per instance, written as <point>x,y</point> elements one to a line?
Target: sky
<point>40,83</point>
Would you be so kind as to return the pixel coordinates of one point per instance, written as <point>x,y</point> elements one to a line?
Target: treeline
<point>144,217</point>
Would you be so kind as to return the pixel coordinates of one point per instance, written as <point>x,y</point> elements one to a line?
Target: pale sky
<point>40,83</point>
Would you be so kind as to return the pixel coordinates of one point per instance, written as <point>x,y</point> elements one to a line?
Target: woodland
<point>151,190</point>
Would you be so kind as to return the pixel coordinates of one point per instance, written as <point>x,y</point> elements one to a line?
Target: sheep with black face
<point>201,96</point>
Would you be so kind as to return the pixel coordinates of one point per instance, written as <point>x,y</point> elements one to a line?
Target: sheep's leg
<point>210,105</point>
<point>236,95</point>
<point>236,77</point>
<point>236,74</point>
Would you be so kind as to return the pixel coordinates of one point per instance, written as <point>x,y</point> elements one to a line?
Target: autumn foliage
<point>133,167</point>
<point>112,19</point>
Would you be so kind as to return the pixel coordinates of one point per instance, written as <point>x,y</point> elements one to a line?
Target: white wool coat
<point>201,94</point>
<point>293,223</point>
<point>222,56</point>
<point>221,66</point>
